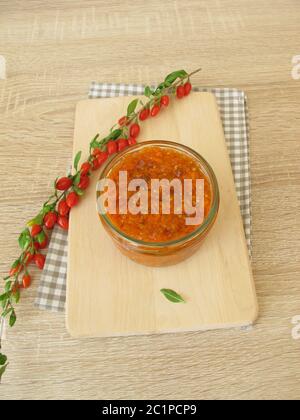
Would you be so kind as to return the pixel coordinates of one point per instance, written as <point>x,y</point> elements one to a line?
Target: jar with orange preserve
<point>157,200</point>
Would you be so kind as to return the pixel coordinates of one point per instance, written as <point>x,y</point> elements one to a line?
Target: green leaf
<point>148,91</point>
<point>45,210</point>
<point>38,220</point>
<point>111,129</point>
<point>77,178</point>
<point>172,296</point>
<point>94,142</point>
<point>159,88</point>
<point>6,312</point>
<point>76,160</point>
<point>8,286</point>
<point>3,359</point>
<point>12,319</point>
<point>131,107</point>
<point>40,237</point>
<point>16,296</point>
<point>4,296</point>
<point>175,75</point>
<point>114,134</point>
<point>78,190</point>
<point>49,199</point>
<point>24,239</point>
<point>2,370</point>
<point>17,262</point>
<point>31,250</point>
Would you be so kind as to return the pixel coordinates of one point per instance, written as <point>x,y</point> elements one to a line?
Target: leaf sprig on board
<point>68,190</point>
<point>172,296</point>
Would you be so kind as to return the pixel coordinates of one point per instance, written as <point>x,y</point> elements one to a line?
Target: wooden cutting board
<point>110,295</point>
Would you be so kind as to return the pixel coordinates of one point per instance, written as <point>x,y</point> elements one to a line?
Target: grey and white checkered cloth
<point>233,109</point>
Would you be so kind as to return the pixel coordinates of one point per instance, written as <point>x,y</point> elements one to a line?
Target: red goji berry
<point>102,157</point>
<point>50,219</point>
<point>155,110</point>
<point>63,222</point>
<point>131,141</point>
<point>187,88</point>
<point>85,168</point>
<point>165,100</point>
<point>144,114</point>
<point>64,183</point>
<point>122,144</point>
<point>72,199</point>
<point>26,281</point>
<point>63,208</point>
<point>180,92</point>
<point>84,182</point>
<point>134,130</point>
<point>112,147</point>
<point>35,230</point>
<point>39,260</point>
<point>96,151</point>
<point>123,121</point>
<point>15,270</point>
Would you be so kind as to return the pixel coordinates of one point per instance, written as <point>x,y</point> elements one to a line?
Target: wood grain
<point>53,50</point>
<point>123,298</point>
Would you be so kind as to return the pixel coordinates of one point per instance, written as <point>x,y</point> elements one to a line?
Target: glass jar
<point>170,252</point>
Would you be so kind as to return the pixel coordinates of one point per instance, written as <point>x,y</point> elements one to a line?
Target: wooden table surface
<point>53,50</point>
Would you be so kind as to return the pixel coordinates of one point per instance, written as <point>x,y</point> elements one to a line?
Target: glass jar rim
<point>204,165</point>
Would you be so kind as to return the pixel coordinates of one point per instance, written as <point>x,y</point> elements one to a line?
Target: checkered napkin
<point>233,109</point>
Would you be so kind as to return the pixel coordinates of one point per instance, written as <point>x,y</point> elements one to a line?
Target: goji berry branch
<point>68,189</point>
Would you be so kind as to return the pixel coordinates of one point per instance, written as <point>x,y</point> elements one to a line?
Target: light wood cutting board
<point>110,295</point>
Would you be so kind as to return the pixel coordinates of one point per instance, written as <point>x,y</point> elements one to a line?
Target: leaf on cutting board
<point>172,296</point>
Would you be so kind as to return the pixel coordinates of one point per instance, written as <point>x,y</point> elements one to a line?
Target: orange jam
<point>156,162</point>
